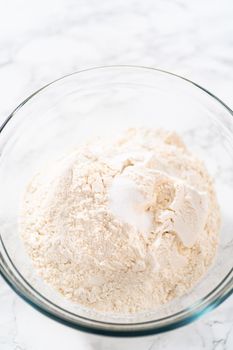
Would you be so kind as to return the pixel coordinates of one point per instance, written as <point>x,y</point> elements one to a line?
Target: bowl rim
<point>187,315</point>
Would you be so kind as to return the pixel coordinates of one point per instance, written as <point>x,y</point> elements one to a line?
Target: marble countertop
<point>43,40</point>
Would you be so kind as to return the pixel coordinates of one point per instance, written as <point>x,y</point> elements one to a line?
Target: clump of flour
<point>122,226</point>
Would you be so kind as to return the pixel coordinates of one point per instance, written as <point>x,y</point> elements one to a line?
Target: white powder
<point>128,203</point>
<point>122,226</point>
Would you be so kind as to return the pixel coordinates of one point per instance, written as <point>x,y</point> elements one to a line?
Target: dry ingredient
<point>122,226</point>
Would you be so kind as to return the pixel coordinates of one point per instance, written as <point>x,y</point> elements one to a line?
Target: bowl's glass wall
<point>104,102</point>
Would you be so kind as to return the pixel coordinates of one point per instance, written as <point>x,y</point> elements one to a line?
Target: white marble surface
<point>43,40</point>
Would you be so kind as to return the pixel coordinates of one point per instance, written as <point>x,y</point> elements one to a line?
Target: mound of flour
<point>122,226</point>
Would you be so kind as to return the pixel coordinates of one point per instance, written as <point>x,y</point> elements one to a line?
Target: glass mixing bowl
<point>104,101</point>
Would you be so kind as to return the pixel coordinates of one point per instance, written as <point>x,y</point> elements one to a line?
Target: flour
<point>123,225</point>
